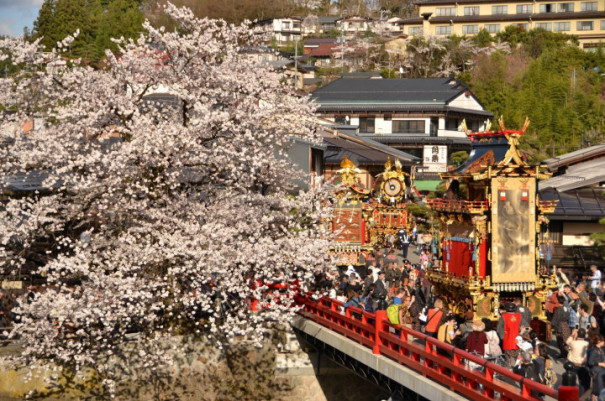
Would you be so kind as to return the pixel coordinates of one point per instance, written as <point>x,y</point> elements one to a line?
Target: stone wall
<point>281,370</point>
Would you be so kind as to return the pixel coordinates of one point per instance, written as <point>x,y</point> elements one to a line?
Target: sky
<point>16,14</point>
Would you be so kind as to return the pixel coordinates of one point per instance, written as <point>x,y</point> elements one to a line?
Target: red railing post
<point>379,323</point>
<point>524,390</point>
<point>489,375</point>
<point>428,347</point>
<point>569,393</point>
<point>404,339</point>
<point>334,308</point>
<point>457,360</point>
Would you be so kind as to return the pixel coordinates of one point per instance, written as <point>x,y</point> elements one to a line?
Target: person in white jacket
<point>492,348</point>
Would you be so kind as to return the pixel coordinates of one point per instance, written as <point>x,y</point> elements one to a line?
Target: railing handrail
<point>372,330</point>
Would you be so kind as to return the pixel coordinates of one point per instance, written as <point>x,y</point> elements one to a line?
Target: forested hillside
<point>96,20</point>
<point>548,78</point>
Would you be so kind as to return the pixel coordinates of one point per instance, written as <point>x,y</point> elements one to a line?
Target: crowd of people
<point>575,311</point>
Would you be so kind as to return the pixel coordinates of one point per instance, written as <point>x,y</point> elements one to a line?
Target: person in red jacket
<point>434,316</point>
<point>508,330</point>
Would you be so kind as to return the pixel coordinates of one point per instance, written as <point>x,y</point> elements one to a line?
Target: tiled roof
<point>587,204</point>
<point>361,149</point>
<point>319,41</point>
<point>579,175</point>
<point>323,50</point>
<point>328,20</point>
<point>406,90</point>
<point>574,157</point>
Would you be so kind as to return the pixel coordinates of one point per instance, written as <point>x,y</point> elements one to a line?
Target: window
<point>366,125</point>
<point>565,7</point>
<point>547,8</point>
<point>443,30</point>
<point>561,26</point>
<point>471,10</point>
<point>415,30</point>
<point>340,119</point>
<point>603,25</point>
<point>523,26</point>
<point>492,28</point>
<point>451,124</point>
<point>445,11</point>
<point>408,126</point>
<point>585,26</point>
<point>524,9</point>
<point>589,6</point>
<point>496,10</point>
<point>470,29</point>
<point>547,26</point>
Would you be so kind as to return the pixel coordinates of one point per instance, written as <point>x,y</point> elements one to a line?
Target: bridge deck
<point>389,368</point>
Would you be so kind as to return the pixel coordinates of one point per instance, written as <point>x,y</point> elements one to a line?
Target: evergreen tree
<point>96,20</point>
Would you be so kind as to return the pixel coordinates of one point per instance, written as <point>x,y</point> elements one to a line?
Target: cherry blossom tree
<point>168,206</point>
<point>431,56</point>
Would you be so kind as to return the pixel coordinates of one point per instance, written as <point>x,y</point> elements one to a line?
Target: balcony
<point>456,206</point>
<point>547,206</point>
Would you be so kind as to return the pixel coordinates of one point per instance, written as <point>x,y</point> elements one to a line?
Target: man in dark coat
<point>524,311</point>
<point>381,290</point>
<point>560,323</point>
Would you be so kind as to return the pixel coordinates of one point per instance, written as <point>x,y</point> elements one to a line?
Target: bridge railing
<point>428,356</point>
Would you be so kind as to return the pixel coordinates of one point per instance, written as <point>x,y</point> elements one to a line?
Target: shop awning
<point>426,185</point>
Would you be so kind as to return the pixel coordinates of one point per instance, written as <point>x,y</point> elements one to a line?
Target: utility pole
<point>295,62</point>
<point>342,44</point>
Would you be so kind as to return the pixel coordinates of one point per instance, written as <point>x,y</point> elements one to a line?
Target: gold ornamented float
<point>365,217</point>
<point>490,221</point>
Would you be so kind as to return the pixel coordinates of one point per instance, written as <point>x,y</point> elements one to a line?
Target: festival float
<point>364,217</point>
<point>490,225</point>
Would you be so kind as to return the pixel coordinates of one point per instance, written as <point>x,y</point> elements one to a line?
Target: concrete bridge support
<point>400,383</point>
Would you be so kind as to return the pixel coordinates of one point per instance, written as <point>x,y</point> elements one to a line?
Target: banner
<point>513,230</point>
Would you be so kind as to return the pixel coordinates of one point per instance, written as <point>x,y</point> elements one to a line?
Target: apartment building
<point>585,19</point>
<point>287,30</point>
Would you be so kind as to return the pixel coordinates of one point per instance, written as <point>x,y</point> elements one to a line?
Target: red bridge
<point>410,360</point>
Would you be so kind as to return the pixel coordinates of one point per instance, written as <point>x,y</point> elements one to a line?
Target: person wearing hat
<point>381,290</point>
<point>466,328</point>
<point>476,341</point>
<point>404,240</point>
<point>508,330</point>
